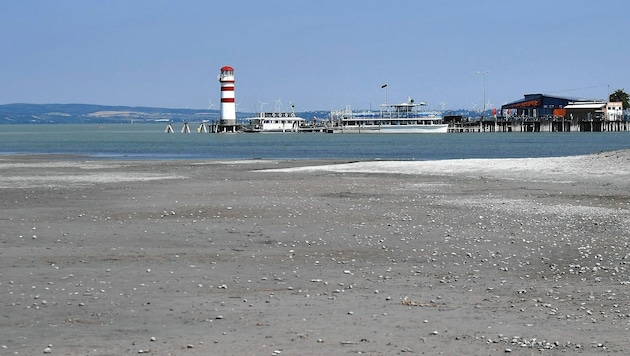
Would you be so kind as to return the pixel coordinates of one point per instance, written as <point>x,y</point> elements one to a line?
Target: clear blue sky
<point>320,55</point>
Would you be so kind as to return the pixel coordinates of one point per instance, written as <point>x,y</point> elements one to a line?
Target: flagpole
<point>384,86</point>
<point>483,83</point>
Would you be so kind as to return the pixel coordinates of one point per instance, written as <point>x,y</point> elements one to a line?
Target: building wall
<point>551,103</point>
<point>584,114</point>
<point>535,105</point>
<point>614,111</point>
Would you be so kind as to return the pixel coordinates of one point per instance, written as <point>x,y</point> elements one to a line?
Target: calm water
<point>148,141</point>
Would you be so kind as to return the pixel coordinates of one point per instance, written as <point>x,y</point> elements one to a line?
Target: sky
<point>318,55</point>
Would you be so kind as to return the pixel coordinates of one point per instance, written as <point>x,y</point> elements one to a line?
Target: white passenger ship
<point>274,122</point>
<point>393,118</point>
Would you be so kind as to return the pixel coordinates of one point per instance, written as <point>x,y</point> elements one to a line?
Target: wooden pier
<point>458,124</point>
<point>212,127</point>
<point>534,124</point>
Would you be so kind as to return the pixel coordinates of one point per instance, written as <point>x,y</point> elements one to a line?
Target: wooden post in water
<point>185,128</point>
<point>202,128</point>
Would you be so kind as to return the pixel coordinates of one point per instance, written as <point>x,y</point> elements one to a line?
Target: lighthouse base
<point>227,125</point>
<point>226,128</point>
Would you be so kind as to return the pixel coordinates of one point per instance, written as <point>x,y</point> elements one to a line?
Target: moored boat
<point>392,118</point>
<point>274,122</point>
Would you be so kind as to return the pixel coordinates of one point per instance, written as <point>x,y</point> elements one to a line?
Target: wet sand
<point>475,257</point>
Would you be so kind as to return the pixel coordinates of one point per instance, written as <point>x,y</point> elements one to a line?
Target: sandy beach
<point>457,257</point>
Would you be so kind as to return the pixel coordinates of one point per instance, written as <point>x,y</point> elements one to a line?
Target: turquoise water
<point>148,141</point>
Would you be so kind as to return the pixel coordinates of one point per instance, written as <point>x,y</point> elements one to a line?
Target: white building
<point>614,111</point>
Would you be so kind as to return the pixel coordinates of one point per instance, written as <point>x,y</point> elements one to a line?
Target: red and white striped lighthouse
<point>228,106</point>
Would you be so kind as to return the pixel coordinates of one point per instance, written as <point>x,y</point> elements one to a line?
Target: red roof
<point>226,68</point>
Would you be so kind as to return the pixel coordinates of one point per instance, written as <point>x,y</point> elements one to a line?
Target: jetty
<point>534,124</point>
<point>456,124</point>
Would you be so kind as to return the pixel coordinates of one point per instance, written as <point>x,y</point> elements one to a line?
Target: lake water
<point>148,141</point>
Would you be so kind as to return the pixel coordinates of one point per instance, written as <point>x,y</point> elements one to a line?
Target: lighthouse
<point>228,106</point>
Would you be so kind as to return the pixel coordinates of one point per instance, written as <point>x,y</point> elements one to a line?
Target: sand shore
<point>461,257</point>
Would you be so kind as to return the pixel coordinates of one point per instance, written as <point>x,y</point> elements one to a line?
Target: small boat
<point>274,122</point>
<point>392,118</point>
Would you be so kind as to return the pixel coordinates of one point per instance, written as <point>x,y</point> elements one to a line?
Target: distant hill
<point>101,114</point>
<point>89,113</point>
